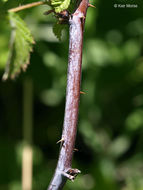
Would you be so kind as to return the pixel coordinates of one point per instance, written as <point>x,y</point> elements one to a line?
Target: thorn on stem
<point>75,150</point>
<point>68,176</point>
<point>61,140</point>
<point>90,5</point>
<point>81,92</point>
<point>71,173</point>
<point>82,17</point>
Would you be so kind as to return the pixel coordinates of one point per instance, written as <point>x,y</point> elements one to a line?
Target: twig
<point>27,152</point>
<point>27,6</point>
<point>64,170</point>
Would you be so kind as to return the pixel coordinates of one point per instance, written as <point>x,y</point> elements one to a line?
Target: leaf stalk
<point>27,6</point>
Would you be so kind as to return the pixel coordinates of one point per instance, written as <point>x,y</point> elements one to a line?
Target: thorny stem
<point>64,170</point>
<point>27,6</point>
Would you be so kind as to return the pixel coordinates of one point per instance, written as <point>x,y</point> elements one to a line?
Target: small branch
<point>27,6</point>
<point>64,170</point>
<point>27,153</point>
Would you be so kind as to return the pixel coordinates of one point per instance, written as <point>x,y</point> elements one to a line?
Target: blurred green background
<point>110,126</point>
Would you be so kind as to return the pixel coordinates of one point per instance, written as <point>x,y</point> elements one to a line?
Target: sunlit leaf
<point>60,5</point>
<point>20,47</point>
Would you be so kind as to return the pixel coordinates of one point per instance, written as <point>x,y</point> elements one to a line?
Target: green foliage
<point>60,5</point>
<point>57,30</point>
<point>20,47</point>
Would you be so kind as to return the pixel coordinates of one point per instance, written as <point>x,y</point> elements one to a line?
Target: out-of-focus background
<point>110,126</point>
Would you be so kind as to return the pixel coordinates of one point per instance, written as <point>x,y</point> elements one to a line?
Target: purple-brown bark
<point>64,170</point>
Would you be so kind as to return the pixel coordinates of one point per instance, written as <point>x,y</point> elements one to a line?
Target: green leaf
<point>21,43</point>
<point>60,5</point>
<point>57,30</point>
